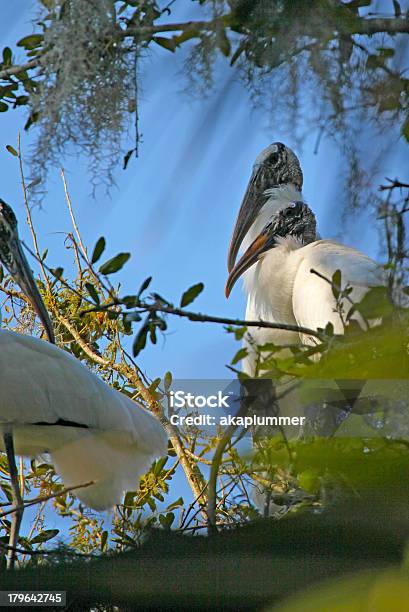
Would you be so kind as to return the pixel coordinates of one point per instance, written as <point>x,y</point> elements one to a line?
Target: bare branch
<point>204,318</point>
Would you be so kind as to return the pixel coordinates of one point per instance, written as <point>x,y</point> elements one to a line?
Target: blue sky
<point>174,208</point>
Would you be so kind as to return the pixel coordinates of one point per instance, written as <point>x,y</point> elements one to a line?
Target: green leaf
<point>241,354</point>
<point>223,43</point>
<point>31,120</point>
<point>176,504</point>
<point>114,264</point>
<point>7,56</point>
<point>309,481</point>
<point>151,504</point>
<point>329,329</point>
<point>386,52</point>
<point>154,384</point>
<point>93,292</point>
<point>12,150</point>
<point>152,333</point>
<point>127,157</point>
<point>336,283</point>
<point>34,183</point>
<point>186,35</point>
<point>375,304</point>
<point>397,8</point>
<point>3,107</point>
<point>30,42</point>
<point>57,272</point>
<point>167,43</point>
<point>98,249</point>
<point>166,520</point>
<point>44,536</point>
<point>140,341</point>
<point>373,62</point>
<point>144,285</point>
<point>1,273</point>
<point>191,294</point>
<point>104,540</point>
<point>130,301</point>
<point>389,103</point>
<point>167,380</point>
<point>160,464</point>
<point>239,332</point>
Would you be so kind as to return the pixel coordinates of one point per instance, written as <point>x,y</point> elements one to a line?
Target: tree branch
<point>387,25</point>
<point>364,27</point>
<point>14,70</point>
<point>204,318</point>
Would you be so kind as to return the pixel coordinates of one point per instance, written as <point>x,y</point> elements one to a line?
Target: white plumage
<point>282,289</point>
<point>42,384</point>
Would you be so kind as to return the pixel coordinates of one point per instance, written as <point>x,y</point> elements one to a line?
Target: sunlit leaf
<point>166,43</point>
<point>167,381</point>
<point>12,150</point>
<point>176,504</point>
<point>241,354</point>
<point>30,42</point>
<point>44,536</point>
<point>166,520</point>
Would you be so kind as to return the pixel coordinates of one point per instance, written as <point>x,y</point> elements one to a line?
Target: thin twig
<point>214,470</point>
<point>394,184</point>
<point>43,498</point>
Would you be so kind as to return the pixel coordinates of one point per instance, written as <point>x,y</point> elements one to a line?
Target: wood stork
<point>51,403</point>
<point>277,232</point>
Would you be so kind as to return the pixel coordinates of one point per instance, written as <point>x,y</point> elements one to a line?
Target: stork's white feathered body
<point>51,403</point>
<point>281,288</point>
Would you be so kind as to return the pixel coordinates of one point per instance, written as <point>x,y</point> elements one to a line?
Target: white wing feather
<point>314,304</point>
<point>40,383</point>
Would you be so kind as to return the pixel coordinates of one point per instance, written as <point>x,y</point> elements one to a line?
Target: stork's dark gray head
<point>297,221</point>
<point>14,260</point>
<point>276,166</point>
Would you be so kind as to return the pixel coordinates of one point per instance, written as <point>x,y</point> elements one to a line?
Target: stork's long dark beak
<point>264,241</point>
<point>249,209</point>
<point>21,272</point>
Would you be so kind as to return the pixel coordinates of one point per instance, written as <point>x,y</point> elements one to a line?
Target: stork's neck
<point>277,199</point>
